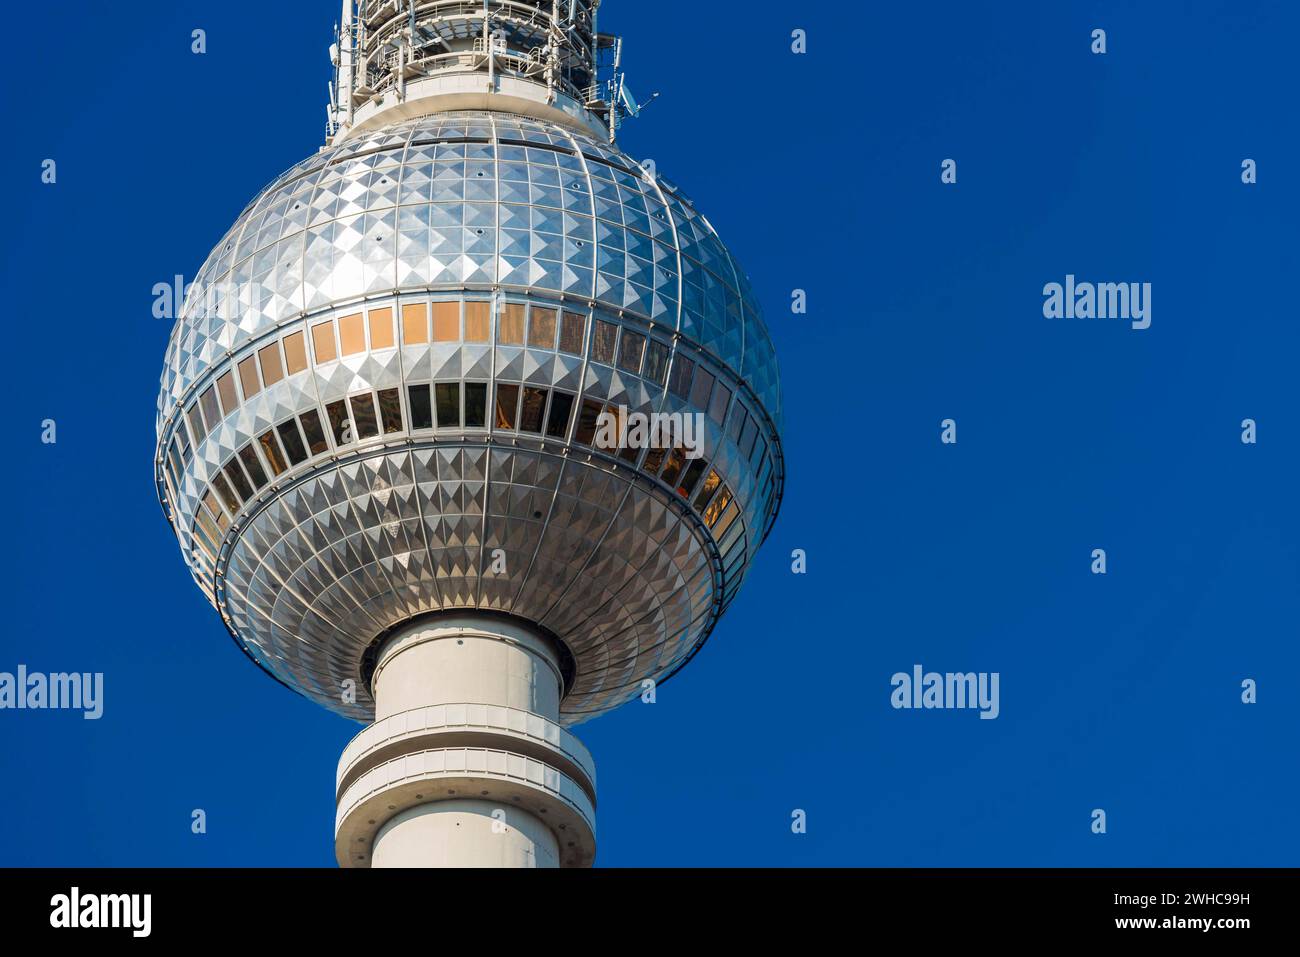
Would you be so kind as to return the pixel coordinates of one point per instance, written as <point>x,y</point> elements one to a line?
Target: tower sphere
<point>470,372</point>
<point>390,367</point>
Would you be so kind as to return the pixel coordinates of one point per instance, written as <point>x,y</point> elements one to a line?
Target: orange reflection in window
<point>446,321</point>
<point>415,323</point>
<point>477,316</point>
<point>322,340</point>
<point>352,335</point>
<point>295,353</point>
<point>381,328</point>
<point>512,324</point>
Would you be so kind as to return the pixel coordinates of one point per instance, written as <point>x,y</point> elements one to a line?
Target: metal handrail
<point>379,80</point>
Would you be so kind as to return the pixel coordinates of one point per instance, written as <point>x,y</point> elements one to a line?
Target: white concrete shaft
<point>477,660</point>
<point>467,660</point>
<point>468,833</point>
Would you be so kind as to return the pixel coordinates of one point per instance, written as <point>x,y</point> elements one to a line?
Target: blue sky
<point>821,172</point>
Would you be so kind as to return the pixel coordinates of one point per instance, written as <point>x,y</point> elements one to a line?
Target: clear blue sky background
<point>821,172</point>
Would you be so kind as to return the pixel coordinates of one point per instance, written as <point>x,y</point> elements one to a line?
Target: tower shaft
<point>466,764</point>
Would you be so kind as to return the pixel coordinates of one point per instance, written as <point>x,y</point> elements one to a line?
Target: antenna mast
<point>399,59</point>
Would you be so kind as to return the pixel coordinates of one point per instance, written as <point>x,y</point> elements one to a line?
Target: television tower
<point>469,427</point>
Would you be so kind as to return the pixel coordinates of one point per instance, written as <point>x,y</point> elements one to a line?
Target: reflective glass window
<point>747,436</point>
<point>381,328</point>
<point>196,423</point>
<point>718,404</point>
<point>700,391</point>
<point>214,508</point>
<point>602,342</point>
<point>447,395</point>
<point>211,411</point>
<point>693,472</point>
<point>421,407</point>
<point>507,405</point>
<point>619,413</point>
<point>541,328</point>
<point>654,457</point>
<point>295,353</point>
<point>315,432</point>
<point>532,409</point>
<point>226,392</point>
<point>252,466</point>
<point>630,351</point>
<point>322,341</point>
<point>340,423</point>
<point>415,323</point>
<point>292,442</point>
<point>477,318</point>
<point>446,321</point>
<point>248,377</point>
<point>174,459</point>
<point>557,421</point>
<point>352,335</point>
<point>512,324</point>
<point>475,405</point>
<point>716,507</point>
<point>673,467</point>
<point>271,449</point>
<point>737,423</point>
<point>679,381</point>
<point>572,327</point>
<point>226,492</point>
<point>656,362</point>
<point>206,533</point>
<point>707,489</point>
<point>272,367</point>
<point>390,410</point>
<point>724,522</point>
<point>363,413</point>
<point>238,480</point>
<point>588,416</point>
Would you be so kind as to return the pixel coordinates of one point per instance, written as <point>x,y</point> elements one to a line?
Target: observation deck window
<point>572,328</point>
<point>603,338</point>
<point>295,353</point>
<point>272,367</point>
<point>352,335</point>
<point>415,322</point>
<point>421,408</point>
<point>447,395</point>
<point>557,423</point>
<point>475,405</point>
<point>390,410</point>
<point>532,409</point>
<point>631,349</point>
<point>381,328</point>
<point>322,340</point>
<point>541,328</point>
<point>314,431</point>
<point>363,413</point>
<point>446,322</point>
<point>248,377</point>
<point>507,405</point>
<point>291,439</point>
<point>477,320</point>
